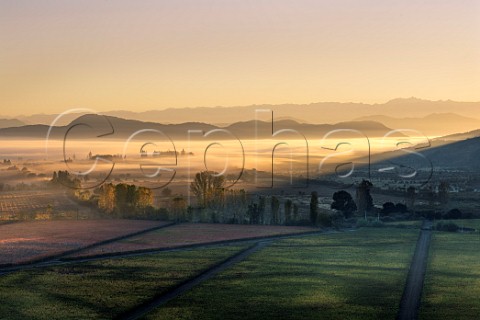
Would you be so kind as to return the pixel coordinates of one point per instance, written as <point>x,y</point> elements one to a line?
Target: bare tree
<point>207,187</point>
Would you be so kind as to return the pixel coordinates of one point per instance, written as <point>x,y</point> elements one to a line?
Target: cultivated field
<point>14,205</point>
<point>357,275</point>
<point>192,233</point>
<point>27,241</point>
<point>24,201</point>
<point>101,290</point>
<point>452,284</point>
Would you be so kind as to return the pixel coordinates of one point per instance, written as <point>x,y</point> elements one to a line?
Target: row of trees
<point>124,198</point>
<point>236,206</point>
<point>120,199</point>
<point>343,201</point>
<point>216,203</point>
<point>63,178</point>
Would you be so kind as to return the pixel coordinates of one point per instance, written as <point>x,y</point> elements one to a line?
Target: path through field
<point>140,311</point>
<point>28,243</point>
<point>65,259</point>
<point>410,304</point>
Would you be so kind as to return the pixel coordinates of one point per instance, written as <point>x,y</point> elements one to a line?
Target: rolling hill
<point>88,126</point>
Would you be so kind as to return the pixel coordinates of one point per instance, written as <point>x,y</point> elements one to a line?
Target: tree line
<point>216,203</point>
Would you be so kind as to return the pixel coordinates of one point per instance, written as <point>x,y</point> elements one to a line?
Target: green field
<point>452,284</point>
<point>101,289</point>
<point>351,275</point>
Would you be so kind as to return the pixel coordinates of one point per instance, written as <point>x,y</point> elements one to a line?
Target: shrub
<point>449,227</point>
<point>453,214</point>
<point>325,220</point>
<point>370,224</point>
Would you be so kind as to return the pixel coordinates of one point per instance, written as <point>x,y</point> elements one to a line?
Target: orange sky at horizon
<point>131,55</point>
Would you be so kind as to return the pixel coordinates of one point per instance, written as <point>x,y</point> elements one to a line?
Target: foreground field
<point>452,284</point>
<point>101,289</point>
<point>358,275</point>
<point>192,233</point>
<point>27,241</point>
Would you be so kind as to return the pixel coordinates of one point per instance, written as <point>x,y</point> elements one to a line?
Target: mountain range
<point>88,126</point>
<point>435,124</point>
<point>10,123</point>
<point>321,112</point>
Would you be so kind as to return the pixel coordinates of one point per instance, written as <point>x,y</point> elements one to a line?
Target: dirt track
<point>55,261</point>
<point>140,311</point>
<point>412,294</point>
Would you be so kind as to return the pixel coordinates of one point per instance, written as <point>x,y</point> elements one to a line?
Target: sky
<point>146,55</point>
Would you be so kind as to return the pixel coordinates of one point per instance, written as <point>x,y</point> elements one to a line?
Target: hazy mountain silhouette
<point>9,123</point>
<point>436,124</point>
<point>88,126</point>
<point>323,112</point>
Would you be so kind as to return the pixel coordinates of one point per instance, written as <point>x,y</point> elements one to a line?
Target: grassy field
<point>452,284</point>
<point>353,275</point>
<point>101,289</point>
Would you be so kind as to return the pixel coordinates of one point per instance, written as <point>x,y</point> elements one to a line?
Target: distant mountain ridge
<point>88,126</point>
<point>435,124</point>
<point>10,123</point>
<point>321,112</point>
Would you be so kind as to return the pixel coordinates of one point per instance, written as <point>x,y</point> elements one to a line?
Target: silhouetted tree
<point>63,178</point>
<point>430,196</point>
<point>179,208</point>
<point>401,208</point>
<point>253,213</point>
<point>288,211</point>
<point>295,212</point>
<point>313,208</point>
<point>453,214</point>
<point>443,193</point>
<point>342,201</point>
<point>275,204</point>
<point>364,199</point>
<point>410,198</point>
<point>121,201</point>
<point>388,208</point>
<point>261,209</point>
